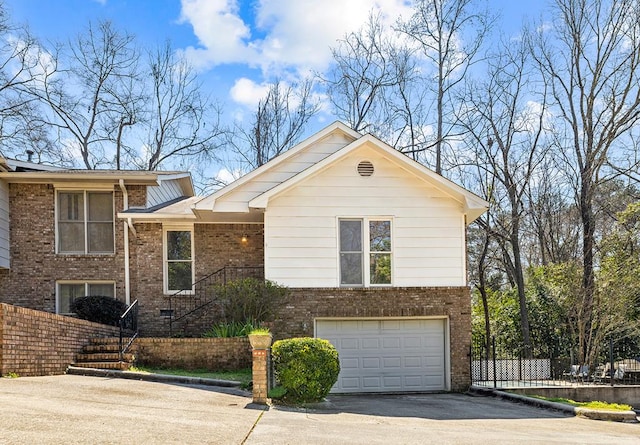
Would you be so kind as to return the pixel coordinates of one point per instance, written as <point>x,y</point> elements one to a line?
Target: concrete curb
<point>613,416</point>
<point>161,378</point>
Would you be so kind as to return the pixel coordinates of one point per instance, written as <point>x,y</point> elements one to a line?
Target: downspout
<point>126,226</point>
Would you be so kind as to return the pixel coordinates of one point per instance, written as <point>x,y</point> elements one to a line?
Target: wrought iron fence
<point>494,365</point>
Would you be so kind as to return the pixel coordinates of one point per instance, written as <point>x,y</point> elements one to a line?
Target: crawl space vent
<point>365,168</point>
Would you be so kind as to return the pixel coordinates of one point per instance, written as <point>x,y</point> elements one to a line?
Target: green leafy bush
<point>231,329</point>
<point>306,368</point>
<point>250,299</point>
<point>99,309</point>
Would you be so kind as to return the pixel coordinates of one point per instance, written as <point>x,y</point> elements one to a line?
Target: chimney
<point>29,155</point>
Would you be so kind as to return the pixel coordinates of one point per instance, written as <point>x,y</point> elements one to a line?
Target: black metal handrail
<point>186,302</point>
<point>128,324</point>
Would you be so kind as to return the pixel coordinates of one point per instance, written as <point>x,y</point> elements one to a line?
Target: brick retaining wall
<point>220,354</point>
<point>40,343</point>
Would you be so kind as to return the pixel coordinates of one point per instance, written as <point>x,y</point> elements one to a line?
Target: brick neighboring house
<point>370,243</point>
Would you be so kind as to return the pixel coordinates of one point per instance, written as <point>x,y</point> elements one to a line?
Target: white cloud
<point>225,176</point>
<point>287,34</point>
<point>247,92</point>
<point>223,35</point>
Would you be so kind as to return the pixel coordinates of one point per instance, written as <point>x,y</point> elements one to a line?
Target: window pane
<point>100,206</point>
<point>179,275</point>
<point>71,237</point>
<point>101,289</point>
<point>70,206</point>
<point>380,236</point>
<point>68,293</point>
<point>380,268</point>
<point>100,237</point>
<point>179,245</point>
<point>350,236</point>
<point>351,268</point>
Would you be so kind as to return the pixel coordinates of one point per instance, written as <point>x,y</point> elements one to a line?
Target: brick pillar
<point>260,375</point>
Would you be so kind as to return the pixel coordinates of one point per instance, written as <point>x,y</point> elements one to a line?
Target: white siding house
<point>371,245</point>
<point>301,224</point>
<point>427,214</point>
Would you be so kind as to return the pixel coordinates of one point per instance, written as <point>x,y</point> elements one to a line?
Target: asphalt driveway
<point>96,410</point>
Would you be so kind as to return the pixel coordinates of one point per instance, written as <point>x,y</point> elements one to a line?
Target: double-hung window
<point>365,252</point>
<point>178,259</point>
<point>67,292</point>
<point>85,222</point>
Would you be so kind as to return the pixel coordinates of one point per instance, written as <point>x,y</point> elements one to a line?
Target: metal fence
<point>494,365</point>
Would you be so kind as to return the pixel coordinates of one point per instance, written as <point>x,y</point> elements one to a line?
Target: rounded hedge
<point>99,309</point>
<point>305,367</point>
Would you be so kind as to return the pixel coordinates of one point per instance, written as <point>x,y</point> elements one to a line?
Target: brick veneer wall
<point>305,305</point>
<point>216,246</point>
<point>40,343</point>
<point>35,267</point>
<point>194,353</point>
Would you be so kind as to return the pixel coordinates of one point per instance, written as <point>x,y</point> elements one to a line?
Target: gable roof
<point>300,153</point>
<point>254,190</point>
<point>473,206</point>
<point>246,198</point>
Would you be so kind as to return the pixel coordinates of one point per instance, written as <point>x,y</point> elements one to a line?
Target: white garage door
<point>388,355</point>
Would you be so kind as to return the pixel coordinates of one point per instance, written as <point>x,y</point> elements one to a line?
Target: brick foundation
<point>39,343</point>
<point>298,315</point>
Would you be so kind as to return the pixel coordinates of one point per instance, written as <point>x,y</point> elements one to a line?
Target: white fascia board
<point>84,177</point>
<point>208,203</point>
<point>155,216</point>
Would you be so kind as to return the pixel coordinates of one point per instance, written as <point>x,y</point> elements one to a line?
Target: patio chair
<point>583,373</point>
<point>578,373</point>
<point>600,375</point>
<point>619,374</point>
<point>572,374</point>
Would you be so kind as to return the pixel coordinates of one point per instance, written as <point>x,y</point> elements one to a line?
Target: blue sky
<point>238,46</point>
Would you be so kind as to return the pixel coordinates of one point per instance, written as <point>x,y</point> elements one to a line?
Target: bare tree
<point>181,121</point>
<point>553,220</point>
<point>85,88</point>
<point>590,59</point>
<point>363,70</point>
<point>20,60</point>
<point>450,33</point>
<point>277,124</point>
<point>505,122</point>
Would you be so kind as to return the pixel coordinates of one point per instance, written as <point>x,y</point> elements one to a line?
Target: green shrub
<point>231,329</point>
<point>99,309</point>
<point>250,299</point>
<point>306,368</point>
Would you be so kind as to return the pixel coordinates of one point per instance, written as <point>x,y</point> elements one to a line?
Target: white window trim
<point>86,239</point>
<point>165,262</point>
<point>366,252</point>
<point>86,284</point>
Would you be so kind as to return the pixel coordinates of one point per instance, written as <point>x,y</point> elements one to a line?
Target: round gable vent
<point>365,168</point>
